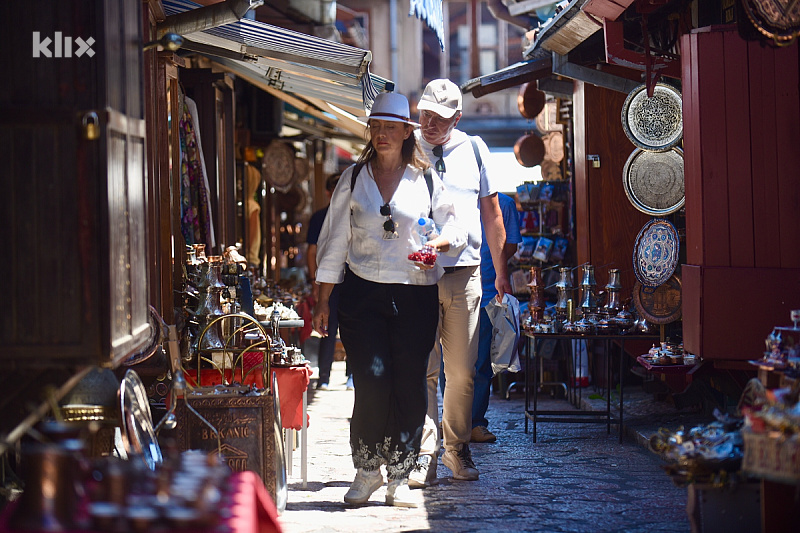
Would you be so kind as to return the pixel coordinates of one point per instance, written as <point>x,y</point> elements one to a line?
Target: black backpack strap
<point>356,169</point>
<point>477,153</point>
<point>429,181</point>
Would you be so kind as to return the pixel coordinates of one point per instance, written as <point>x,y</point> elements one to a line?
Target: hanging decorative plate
<point>278,166</point>
<point>777,19</point>
<point>655,252</point>
<point>138,435</point>
<point>659,305</point>
<point>653,181</point>
<point>653,123</point>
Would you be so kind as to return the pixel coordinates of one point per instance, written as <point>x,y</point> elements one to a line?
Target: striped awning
<point>290,61</point>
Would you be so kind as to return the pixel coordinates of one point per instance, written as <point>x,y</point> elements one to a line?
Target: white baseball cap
<point>441,96</point>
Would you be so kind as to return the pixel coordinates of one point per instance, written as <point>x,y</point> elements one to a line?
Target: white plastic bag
<point>505,333</point>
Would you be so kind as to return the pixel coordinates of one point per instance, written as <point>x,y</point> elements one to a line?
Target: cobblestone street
<point>575,478</point>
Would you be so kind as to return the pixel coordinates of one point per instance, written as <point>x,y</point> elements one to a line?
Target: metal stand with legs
<point>534,362</point>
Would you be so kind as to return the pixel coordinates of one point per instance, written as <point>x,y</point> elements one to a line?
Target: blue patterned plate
<point>655,252</point>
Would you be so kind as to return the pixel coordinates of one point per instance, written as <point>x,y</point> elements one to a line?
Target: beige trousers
<point>459,308</point>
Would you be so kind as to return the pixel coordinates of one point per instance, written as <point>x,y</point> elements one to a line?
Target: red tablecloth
<point>248,509</point>
<point>292,383</point>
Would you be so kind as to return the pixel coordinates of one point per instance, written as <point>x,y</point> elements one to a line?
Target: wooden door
<point>606,223</point>
<point>73,170</point>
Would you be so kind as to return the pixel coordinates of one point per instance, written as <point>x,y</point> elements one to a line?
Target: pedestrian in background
<point>483,367</point>
<point>388,304</point>
<point>462,161</point>
<point>327,344</point>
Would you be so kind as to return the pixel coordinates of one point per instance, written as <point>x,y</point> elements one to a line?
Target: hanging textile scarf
<point>196,224</point>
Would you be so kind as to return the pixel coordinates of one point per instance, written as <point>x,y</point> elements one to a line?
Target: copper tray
<point>653,181</point>
<point>660,305</point>
<point>653,123</point>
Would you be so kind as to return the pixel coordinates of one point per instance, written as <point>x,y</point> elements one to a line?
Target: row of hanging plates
<point>653,182</point>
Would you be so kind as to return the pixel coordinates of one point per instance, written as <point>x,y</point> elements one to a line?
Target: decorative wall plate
<point>653,181</point>
<point>660,305</point>
<point>655,252</point>
<point>653,123</point>
<point>138,435</point>
<point>278,166</point>
<point>777,19</point>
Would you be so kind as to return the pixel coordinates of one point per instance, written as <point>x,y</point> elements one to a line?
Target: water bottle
<point>426,229</point>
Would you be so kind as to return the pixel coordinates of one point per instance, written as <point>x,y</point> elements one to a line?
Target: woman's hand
<point>424,258</point>
<point>320,320</point>
<point>322,310</point>
<point>423,266</point>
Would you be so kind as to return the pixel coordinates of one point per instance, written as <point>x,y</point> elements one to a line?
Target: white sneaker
<point>424,473</point>
<point>399,494</point>
<point>460,462</point>
<point>363,486</point>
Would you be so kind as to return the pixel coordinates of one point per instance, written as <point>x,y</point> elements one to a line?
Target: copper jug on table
<point>537,302</point>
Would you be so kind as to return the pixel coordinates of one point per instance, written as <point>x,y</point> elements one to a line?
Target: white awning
<point>291,61</point>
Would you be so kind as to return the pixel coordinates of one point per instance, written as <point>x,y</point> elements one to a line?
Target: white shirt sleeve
<point>334,239</point>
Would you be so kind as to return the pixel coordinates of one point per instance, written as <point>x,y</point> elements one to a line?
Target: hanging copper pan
<point>529,150</point>
<point>530,100</point>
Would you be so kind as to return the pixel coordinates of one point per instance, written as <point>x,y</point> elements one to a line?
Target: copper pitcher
<point>50,473</point>
<point>537,301</point>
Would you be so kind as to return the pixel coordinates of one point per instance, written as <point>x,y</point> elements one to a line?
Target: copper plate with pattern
<point>659,305</point>
<point>653,123</point>
<point>653,181</point>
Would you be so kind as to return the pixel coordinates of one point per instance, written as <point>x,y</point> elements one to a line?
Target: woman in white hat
<point>388,309</point>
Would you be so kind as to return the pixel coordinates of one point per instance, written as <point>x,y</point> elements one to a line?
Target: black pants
<point>388,331</point>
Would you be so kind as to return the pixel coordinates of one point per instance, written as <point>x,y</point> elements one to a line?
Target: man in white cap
<point>461,161</point>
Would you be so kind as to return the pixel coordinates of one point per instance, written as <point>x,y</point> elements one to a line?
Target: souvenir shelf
<point>544,226</point>
<point>545,222</point>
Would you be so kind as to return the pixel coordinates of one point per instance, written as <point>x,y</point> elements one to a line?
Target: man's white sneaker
<point>363,486</point>
<point>399,494</point>
<point>460,462</point>
<point>424,473</point>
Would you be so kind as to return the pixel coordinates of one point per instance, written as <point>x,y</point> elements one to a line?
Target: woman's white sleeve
<point>334,239</point>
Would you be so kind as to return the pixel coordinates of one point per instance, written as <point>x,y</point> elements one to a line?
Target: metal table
<point>571,416</point>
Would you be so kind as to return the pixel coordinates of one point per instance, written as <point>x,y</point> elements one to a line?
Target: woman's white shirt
<point>353,232</point>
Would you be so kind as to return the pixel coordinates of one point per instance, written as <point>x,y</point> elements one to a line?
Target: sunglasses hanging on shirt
<point>389,225</point>
<point>439,165</point>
